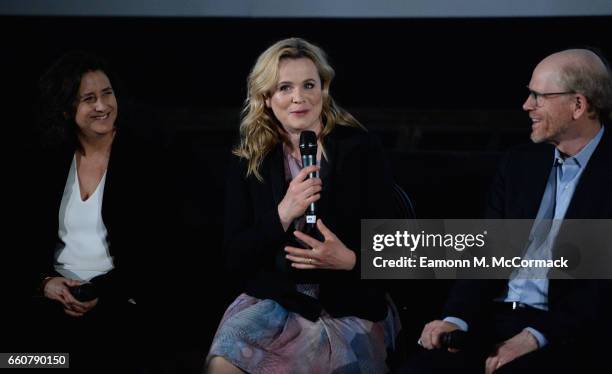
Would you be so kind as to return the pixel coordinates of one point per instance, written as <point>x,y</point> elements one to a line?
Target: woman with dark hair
<point>78,112</point>
<point>304,308</point>
<point>93,213</point>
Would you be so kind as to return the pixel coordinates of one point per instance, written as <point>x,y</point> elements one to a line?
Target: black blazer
<point>574,305</point>
<point>356,184</point>
<point>130,212</point>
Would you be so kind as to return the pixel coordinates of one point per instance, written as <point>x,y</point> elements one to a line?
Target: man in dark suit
<point>535,325</point>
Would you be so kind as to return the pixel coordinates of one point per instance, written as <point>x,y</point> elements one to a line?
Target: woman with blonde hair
<point>304,308</point>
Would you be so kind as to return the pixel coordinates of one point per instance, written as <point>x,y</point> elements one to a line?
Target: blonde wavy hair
<point>260,131</point>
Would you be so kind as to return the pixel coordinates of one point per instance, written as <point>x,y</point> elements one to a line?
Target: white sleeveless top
<point>83,251</point>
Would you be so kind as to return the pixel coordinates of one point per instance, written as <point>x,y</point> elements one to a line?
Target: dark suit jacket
<point>356,185</point>
<point>130,211</point>
<point>574,305</point>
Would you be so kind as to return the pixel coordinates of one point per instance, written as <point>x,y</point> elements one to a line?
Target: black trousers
<point>502,326</point>
<point>112,337</point>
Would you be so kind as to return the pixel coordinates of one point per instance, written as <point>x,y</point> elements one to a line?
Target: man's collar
<point>582,157</point>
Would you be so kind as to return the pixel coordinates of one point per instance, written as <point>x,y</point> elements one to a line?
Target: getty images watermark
<point>486,249</point>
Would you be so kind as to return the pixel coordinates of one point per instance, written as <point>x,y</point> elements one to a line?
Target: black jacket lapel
<point>594,181</point>
<point>327,173</point>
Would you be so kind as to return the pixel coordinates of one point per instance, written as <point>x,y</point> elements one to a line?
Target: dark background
<point>443,95</point>
<point>438,92</point>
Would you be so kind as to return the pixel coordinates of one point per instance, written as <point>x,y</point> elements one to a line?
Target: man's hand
<point>515,347</point>
<point>432,332</point>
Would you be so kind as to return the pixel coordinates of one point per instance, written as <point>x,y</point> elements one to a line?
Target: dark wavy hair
<point>59,88</point>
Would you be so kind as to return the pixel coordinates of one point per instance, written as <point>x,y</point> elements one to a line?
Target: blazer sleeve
<point>469,298</point>
<point>380,203</point>
<point>576,314</point>
<point>377,196</point>
<point>251,238</point>
<point>371,199</point>
<point>374,198</point>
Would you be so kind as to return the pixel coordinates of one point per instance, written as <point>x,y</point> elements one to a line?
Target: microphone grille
<point>308,143</point>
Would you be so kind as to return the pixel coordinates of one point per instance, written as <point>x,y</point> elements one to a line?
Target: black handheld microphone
<point>456,339</point>
<point>308,151</point>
